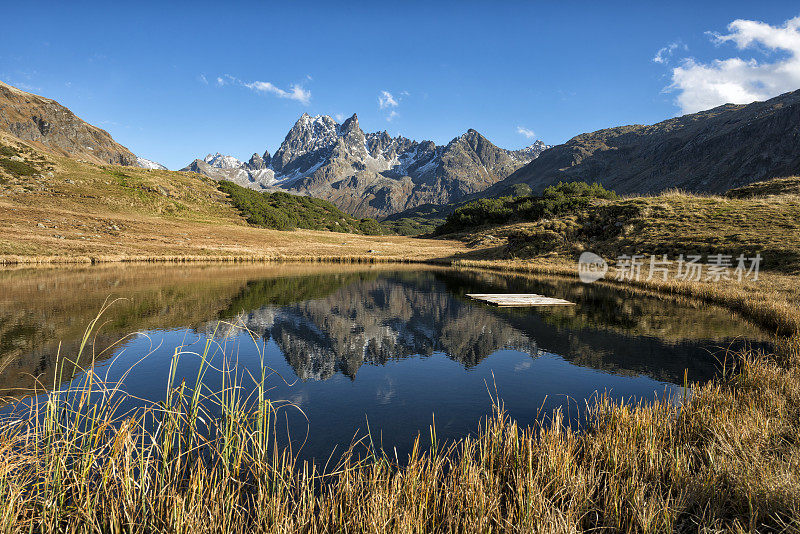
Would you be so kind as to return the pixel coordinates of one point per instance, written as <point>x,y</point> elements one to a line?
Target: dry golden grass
<point>142,238</point>
<point>671,223</point>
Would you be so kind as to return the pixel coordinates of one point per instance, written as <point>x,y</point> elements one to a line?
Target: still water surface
<point>388,347</point>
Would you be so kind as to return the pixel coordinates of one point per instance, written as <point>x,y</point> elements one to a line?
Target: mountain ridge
<point>55,129</point>
<point>370,174</point>
<point>710,152</point>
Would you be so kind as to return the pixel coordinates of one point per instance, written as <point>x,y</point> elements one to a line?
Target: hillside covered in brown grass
<point>763,218</point>
<point>54,208</point>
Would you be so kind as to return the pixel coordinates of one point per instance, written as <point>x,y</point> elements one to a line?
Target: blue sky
<point>149,74</point>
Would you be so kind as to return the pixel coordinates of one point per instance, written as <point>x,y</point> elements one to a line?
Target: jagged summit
<point>369,174</point>
<point>222,162</point>
<point>351,123</point>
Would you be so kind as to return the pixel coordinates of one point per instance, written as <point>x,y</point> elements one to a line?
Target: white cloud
<point>339,117</point>
<point>664,54</point>
<point>389,102</point>
<point>527,132</point>
<point>203,79</point>
<point>296,92</point>
<point>386,100</point>
<point>741,81</point>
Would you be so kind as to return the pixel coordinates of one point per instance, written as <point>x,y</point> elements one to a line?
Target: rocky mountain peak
<point>222,162</point>
<point>472,138</point>
<point>537,144</point>
<point>149,164</point>
<point>309,134</point>
<point>257,162</point>
<point>371,174</point>
<point>352,138</point>
<point>350,124</point>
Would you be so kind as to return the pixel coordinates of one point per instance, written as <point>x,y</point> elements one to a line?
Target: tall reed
<point>75,459</point>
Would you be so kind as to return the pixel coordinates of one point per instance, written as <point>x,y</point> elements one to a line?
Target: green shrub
<point>411,225</point>
<point>561,199</point>
<point>8,151</point>
<point>418,220</point>
<point>283,211</point>
<point>17,168</point>
<point>521,190</point>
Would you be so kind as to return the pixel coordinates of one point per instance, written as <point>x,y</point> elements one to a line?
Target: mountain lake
<point>347,350</point>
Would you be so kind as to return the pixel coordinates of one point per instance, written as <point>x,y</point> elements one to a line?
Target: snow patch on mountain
<point>149,164</point>
<point>222,162</point>
<point>531,152</point>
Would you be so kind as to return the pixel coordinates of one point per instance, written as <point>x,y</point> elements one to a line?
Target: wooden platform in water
<point>519,299</point>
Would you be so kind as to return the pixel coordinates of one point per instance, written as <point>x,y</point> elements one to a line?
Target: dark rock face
<point>42,125</point>
<point>257,162</point>
<point>55,128</point>
<point>372,174</point>
<point>711,151</point>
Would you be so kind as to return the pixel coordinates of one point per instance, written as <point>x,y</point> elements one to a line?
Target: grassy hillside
<point>672,223</point>
<point>31,177</point>
<point>776,187</point>
<point>54,208</point>
<point>283,211</point>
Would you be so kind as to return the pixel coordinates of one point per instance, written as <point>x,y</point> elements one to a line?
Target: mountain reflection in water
<point>391,345</point>
<point>398,315</point>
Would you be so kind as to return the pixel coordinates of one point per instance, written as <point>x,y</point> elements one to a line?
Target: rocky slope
<point>48,124</point>
<point>711,151</point>
<point>55,129</point>
<point>370,174</point>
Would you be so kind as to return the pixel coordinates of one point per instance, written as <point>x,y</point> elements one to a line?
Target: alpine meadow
<point>443,268</point>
